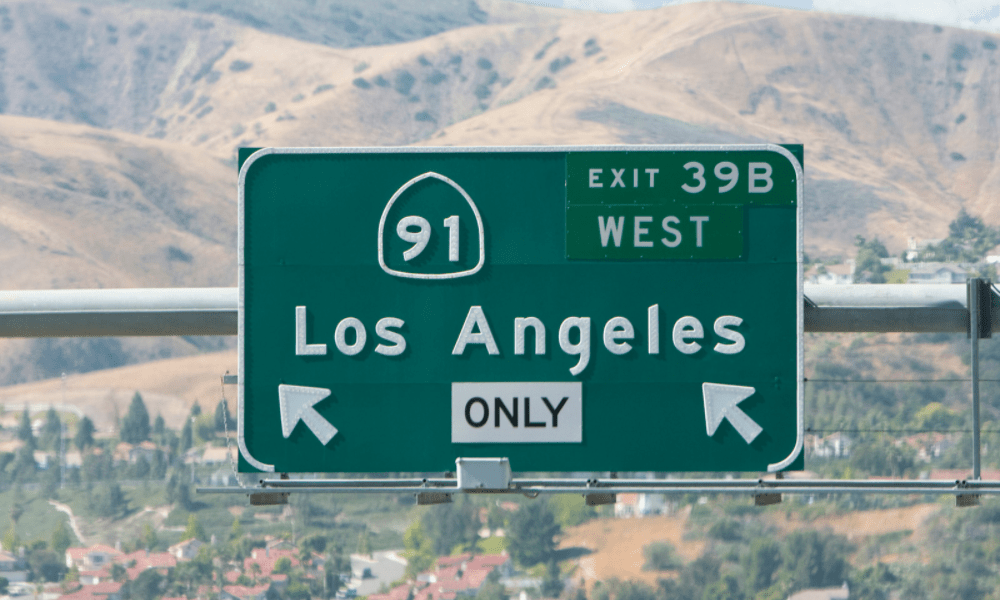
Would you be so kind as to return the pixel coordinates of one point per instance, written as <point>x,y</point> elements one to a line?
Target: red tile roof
<point>447,574</point>
<point>76,553</point>
<point>448,561</point>
<point>473,578</point>
<point>487,561</point>
<point>400,592</point>
<point>267,559</point>
<point>242,591</point>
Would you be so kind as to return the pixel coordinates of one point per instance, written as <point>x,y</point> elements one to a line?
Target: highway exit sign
<point>632,308</point>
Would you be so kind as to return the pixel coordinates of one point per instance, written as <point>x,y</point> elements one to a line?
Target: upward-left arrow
<point>296,402</point>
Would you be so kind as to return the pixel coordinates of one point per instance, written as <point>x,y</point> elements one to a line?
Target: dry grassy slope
<point>149,71</point>
<point>169,387</point>
<point>82,207</point>
<point>88,208</point>
<point>899,120</point>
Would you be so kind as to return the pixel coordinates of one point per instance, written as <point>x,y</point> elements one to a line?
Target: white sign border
<point>799,192</point>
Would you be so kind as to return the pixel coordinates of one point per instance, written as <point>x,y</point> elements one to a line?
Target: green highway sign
<point>633,308</point>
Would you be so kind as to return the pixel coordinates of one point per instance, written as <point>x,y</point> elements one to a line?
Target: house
<point>444,562</point>
<point>937,273</point>
<point>400,592</point>
<point>492,562</point>
<point>265,559</point>
<point>73,459</point>
<point>218,455</point>
<point>840,274</point>
<point>12,567</point>
<point>454,576</point>
<point>835,445</point>
<point>931,445</point>
<point>131,453</point>
<point>95,576</point>
<point>638,505</point>
<point>242,592</point>
<point>42,459</point>
<point>836,593</point>
<point>223,477</point>
<point>109,590</point>
<point>186,550</point>
<point>962,474</point>
<point>92,558</point>
<point>140,560</point>
<point>11,446</point>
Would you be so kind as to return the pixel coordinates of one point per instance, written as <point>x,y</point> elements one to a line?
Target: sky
<point>968,14</point>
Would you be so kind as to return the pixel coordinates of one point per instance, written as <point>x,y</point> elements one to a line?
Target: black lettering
<point>527,414</point>
<point>498,406</point>
<point>555,411</point>
<point>468,412</point>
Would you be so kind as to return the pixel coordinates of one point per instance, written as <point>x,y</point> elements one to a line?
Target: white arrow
<point>720,403</point>
<point>296,402</point>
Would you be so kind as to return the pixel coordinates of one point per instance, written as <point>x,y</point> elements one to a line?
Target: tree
<point>364,543</point>
<point>84,434</point>
<point>873,583</point>
<point>135,425</point>
<point>187,436</point>
<point>762,561</point>
<point>11,541</point>
<point>492,589</point>
<point>451,525</point>
<point>420,553</point>
<point>194,530</point>
<point>148,584</point>
<point>45,564</point>
<point>531,533</point>
<point>108,501</point>
<point>222,416</point>
<point>282,566</point>
<point>552,583</point>
<point>159,425</point>
<point>24,432</point>
<point>149,539</point>
<point>867,264</point>
<point>816,560</point>
<point>61,539</point>
<point>570,510</point>
<point>661,556</point>
<point>51,430</point>
<point>178,492</point>
<point>236,531</point>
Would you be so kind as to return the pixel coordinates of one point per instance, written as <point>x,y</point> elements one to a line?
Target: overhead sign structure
<point>633,308</point>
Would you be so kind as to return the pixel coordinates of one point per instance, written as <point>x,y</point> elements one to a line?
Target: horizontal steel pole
<point>883,320</point>
<point>119,312</point>
<point>213,311</point>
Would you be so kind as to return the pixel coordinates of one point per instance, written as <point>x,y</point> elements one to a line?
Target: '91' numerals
<point>422,236</point>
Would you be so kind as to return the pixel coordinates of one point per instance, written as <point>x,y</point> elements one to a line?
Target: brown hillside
<point>169,387</point>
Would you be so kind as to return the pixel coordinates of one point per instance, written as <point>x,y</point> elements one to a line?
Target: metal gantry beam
<point>118,312</point>
<point>844,308</point>
<point>213,311</point>
<point>626,486</point>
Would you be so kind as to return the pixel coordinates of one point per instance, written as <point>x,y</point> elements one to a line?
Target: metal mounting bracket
<point>483,474</point>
